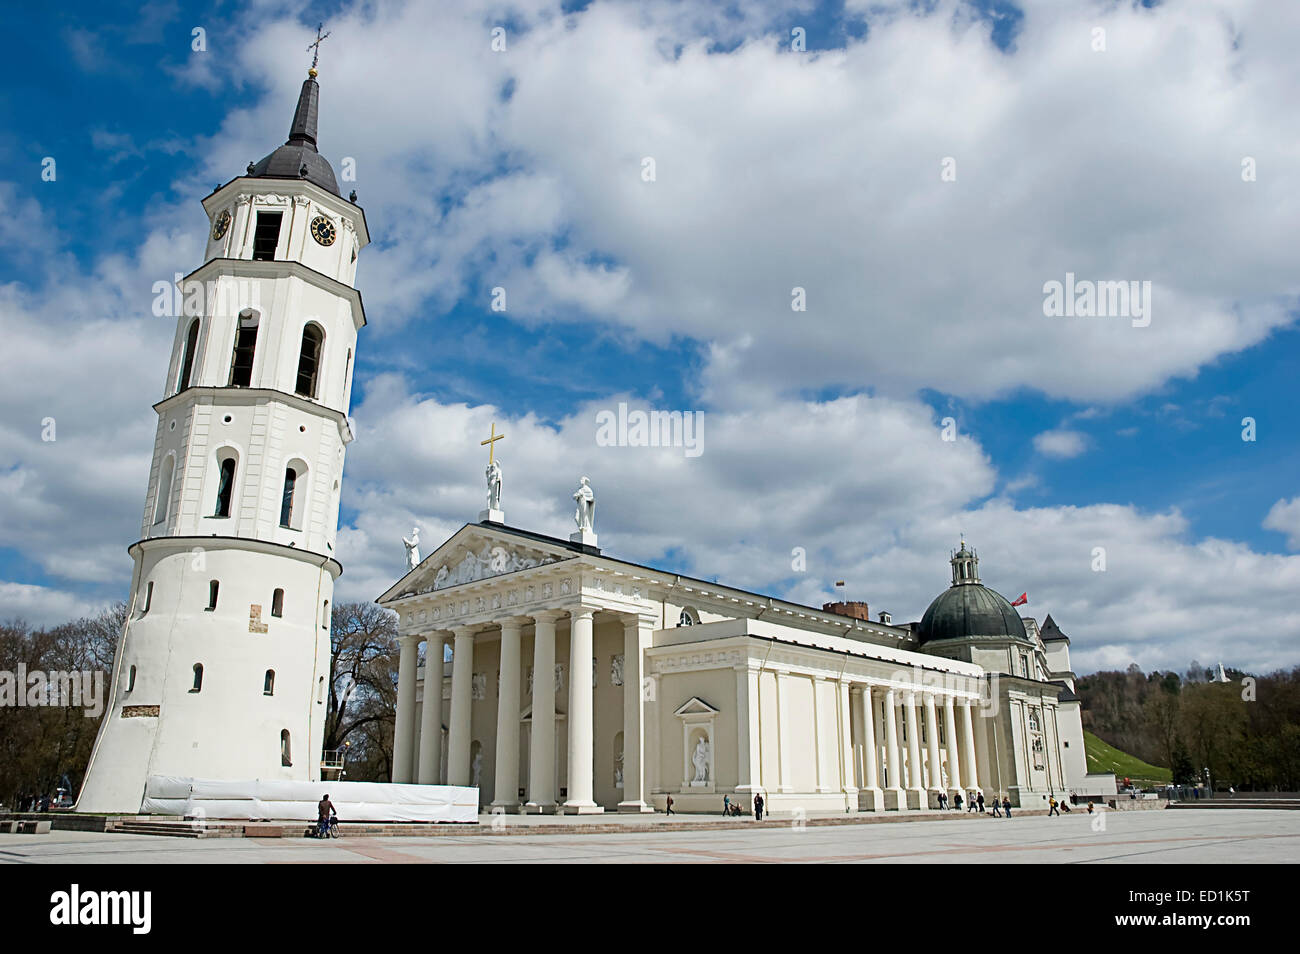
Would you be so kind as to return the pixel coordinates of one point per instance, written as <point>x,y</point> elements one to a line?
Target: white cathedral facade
<point>582,683</point>
<point>222,668</point>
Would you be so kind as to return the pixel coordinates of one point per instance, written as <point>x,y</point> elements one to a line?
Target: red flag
<point>1024,598</point>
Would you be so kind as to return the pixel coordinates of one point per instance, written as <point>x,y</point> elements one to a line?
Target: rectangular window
<point>266,236</point>
<point>241,364</point>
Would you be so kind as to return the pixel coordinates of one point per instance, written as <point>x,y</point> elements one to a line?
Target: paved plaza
<point>1179,837</point>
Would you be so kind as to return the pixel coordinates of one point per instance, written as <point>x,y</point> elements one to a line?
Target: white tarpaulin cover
<point>354,801</point>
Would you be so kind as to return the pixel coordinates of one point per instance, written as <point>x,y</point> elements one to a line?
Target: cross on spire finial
<point>491,443</point>
<point>314,48</point>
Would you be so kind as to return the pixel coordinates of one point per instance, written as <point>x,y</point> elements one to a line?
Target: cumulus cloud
<point>1284,517</point>
<point>1061,444</point>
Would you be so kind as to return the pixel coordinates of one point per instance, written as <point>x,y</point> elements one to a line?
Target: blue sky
<point>924,302</point>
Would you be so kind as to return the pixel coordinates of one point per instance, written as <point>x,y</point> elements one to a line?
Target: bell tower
<point>221,670</point>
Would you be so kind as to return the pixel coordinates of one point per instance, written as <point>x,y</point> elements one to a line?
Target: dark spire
<point>298,158</point>
<point>303,130</point>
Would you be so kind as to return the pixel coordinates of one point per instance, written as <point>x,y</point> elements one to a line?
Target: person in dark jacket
<point>758,806</point>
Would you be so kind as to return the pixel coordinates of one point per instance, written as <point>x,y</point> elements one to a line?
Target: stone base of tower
<point>233,692</point>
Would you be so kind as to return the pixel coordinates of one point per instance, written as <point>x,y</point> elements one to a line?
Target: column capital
<point>462,631</point>
<point>513,622</point>
<point>547,615</point>
<point>637,620</point>
<point>582,611</point>
<point>411,639</point>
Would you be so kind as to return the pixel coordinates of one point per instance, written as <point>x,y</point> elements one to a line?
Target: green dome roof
<point>970,609</point>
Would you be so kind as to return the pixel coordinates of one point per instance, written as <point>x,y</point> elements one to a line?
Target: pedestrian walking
<point>956,801</point>
<point>981,802</point>
<point>1006,805</point>
<point>668,805</point>
<point>1051,807</point>
<point>726,805</point>
<point>970,803</point>
<point>996,813</point>
<point>758,806</point>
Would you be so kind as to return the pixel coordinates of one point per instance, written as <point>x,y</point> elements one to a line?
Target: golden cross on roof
<point>314,48</point>
<point>491,442</point>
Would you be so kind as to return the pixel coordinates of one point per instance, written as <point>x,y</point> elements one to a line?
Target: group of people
<point>733,809</point>
<point>974,802</point>
<point>35,803</point>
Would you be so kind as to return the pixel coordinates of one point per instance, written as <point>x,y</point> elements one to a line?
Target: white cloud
<point>1284,517</point>
<point>1061,444</point>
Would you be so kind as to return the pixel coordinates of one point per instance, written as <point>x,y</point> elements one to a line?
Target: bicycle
<point>328,829</point>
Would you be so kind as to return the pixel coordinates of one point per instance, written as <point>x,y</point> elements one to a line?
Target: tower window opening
<point>320,691</point>
<point>325,615</point>
<point>148,598</point>
<point>266,236</point>
<point>187,358</point>
<point>130,680</point>
<point>268,683</point>
<point>313,338</point>
<point>164,490</point>
<point>225,487</point>
<point>286,754</point>
<point>213,587</point>
<point>241,362</point>
<point>286,499</point>
<point>198,678</point>
<point>277,603</point>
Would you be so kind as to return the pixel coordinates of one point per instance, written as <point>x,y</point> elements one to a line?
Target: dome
<point>298,158</point>
<point>968,608</point>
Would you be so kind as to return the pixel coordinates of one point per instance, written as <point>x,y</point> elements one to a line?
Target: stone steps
<point>1284,804</point>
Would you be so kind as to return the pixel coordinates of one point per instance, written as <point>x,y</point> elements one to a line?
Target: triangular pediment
<point>475,552</point>
<point>695,706</point>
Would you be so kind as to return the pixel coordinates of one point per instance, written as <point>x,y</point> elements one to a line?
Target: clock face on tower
<point>219,227</point>
<point>322,230</point>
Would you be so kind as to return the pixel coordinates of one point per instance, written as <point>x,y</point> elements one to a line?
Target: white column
<point>950,736</point>
<point>462,674</point>
<point>870,753</point>
<point>970,771</point>
<point>430,764</point>
<point>507,773</point>
<point>782,733</point>
<point>636,639</point>
<point>932,738</point>
<point>846,748</point>
<point>582,753</point>
<point>541,752</point>
<point>892,761</point>
<point>749,757</point>
<point>404,727</point>
<point>916,778</point>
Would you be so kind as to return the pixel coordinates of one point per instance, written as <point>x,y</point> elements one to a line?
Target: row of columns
<point>542,784</point>
<point>882,713</point>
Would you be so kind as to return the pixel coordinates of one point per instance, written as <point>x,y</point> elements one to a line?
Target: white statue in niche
<point>616,670</point>
<point>700,759</point>
<point>494,485</point>
<point>412,549</point>
<point>586,512</point>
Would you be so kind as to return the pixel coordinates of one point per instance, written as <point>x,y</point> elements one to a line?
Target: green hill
<point>1104,757</point>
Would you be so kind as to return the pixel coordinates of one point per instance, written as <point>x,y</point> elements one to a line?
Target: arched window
<point>183,380</point>
<point>225,487</point>
<point>213,587</point>
<point>130,680</point>
<point>241,363</point>
<point>148,598</point>
<point>313,340</point>
<point>198,678</point>
<point>286,754</point>
<point>277,603</point>
<point>164,490</point>
<point>286,498</point>
<point>320,690</point>
<point>688,617</point>
<point>268,683</point>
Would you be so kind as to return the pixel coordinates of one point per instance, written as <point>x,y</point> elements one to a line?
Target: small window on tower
<point>130,681</point>
<point>325,615</point>
<point>277,603</point>
<point>198,678</point>
<point>148,598</point>
<point>187,360</point>
<point>286,498</point>
<point>225,489</point>
<point>241,362</point>
<point>309,359</point>
<point>213,587</point>
<point>268,683</point>
<point>267,236</point>
<point>286,755</point>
